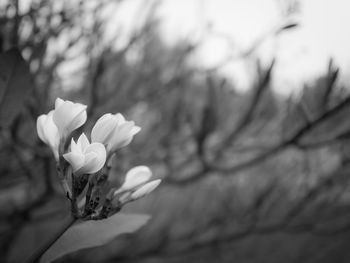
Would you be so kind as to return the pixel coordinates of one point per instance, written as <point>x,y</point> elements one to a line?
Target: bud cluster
<point>83,166</point>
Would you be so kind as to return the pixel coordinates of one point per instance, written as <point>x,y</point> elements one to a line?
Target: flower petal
<point>51,133</point>
<point>69,116</point>
<point>145,189</point>
<point>74,147</point>
<point>76,160</point>
<point>48,132</point>
<point>103,128</point>
<point>124,198</point>
<point>119,118</point>
<point>83,142</point>
<point>62,116</point>
<point>77,121</point>
<point>100,151</point>
<point>58,102</point>
<point>136,177</point>
<point>122,136</point>
<point>40,124</point>
<point>89,164</point>
<point>135,130</point>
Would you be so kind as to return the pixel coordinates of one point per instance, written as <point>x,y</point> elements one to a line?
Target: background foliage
<point>249,176</point>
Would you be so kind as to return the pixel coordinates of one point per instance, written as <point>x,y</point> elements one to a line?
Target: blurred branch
<point>16,24</point>
<point>247,117</point>
<point>292,140</point>
<point>331,78</point>
<point>256,44</point>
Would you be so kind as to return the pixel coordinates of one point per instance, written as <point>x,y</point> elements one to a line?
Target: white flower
<point>68,116</point>
<point>136,185</point>
<point>113,131</point>
<point>48,132</point>
<point>86,158</point>
<point>135,177</point>
<point>145,189</point>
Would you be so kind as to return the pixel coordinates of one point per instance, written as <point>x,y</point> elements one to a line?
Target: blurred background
<point>244,107</point>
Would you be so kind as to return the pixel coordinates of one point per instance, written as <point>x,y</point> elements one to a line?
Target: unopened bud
<point>136,176</point>
<point>145,189</point>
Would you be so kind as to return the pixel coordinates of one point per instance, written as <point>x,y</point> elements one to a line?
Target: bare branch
<point>247,117</point>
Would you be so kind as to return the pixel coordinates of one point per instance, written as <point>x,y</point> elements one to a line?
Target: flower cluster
<point>83,166</point>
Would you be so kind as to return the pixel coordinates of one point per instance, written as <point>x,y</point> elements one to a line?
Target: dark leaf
<point>89,234</point>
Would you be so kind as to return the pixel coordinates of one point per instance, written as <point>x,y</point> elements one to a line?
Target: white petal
<point>51,133</point>
<point>103,128</point>
<point>124,198</point>
<point>77,108</point>
<point>76,160</point>
<point>127,133</point>
<point>145,189</point>
<point>136,177</point>
<point>119,118</point>
<point>100,151</point>
<point>128,128</point>
<point>48,132</point>
<point>77,121</point>
<point>121,136</point>
<point>69,116</point>
<point>58,102</point>
<point>62,116</point>
<point>40,123</point>
<point>89,164</point>
<point>83,142</point>
<point>75,148</point>
<point>135,130</point>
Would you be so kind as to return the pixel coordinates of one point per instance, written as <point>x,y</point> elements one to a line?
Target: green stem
<point>37,255</point>
<point>87,209</point>
<point>74,205</point>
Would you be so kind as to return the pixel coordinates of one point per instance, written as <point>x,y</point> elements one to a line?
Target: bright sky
<point>302,53</point>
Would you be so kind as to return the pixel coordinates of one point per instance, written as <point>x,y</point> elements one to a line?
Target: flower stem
<point>87,209</point>
<point>74,206</point>
<point>37,255</point>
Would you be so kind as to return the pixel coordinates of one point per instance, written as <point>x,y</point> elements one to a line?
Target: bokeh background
<point>244,108</point>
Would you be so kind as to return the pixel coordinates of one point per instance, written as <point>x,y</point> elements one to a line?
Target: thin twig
<point>292,140</point>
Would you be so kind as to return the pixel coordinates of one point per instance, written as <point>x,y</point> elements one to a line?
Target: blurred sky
<point>302,53</point>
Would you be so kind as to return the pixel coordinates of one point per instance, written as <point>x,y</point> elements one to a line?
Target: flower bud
<point>113,131</point>
<point>68,116</point>
<point>86,158</point>
<point>145,189</point>
<point>124,198</point>
<point>48,132</point>
<point>136,177</point>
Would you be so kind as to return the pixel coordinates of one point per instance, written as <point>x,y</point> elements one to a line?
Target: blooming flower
<point>86,158</point>
<point>68,116</point>
<point>48,132</point>
<point>104,196</point>
<point>113,131</point>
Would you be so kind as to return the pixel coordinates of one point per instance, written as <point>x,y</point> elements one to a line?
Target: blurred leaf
<point>89,234</point>
<point>15,85</point>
